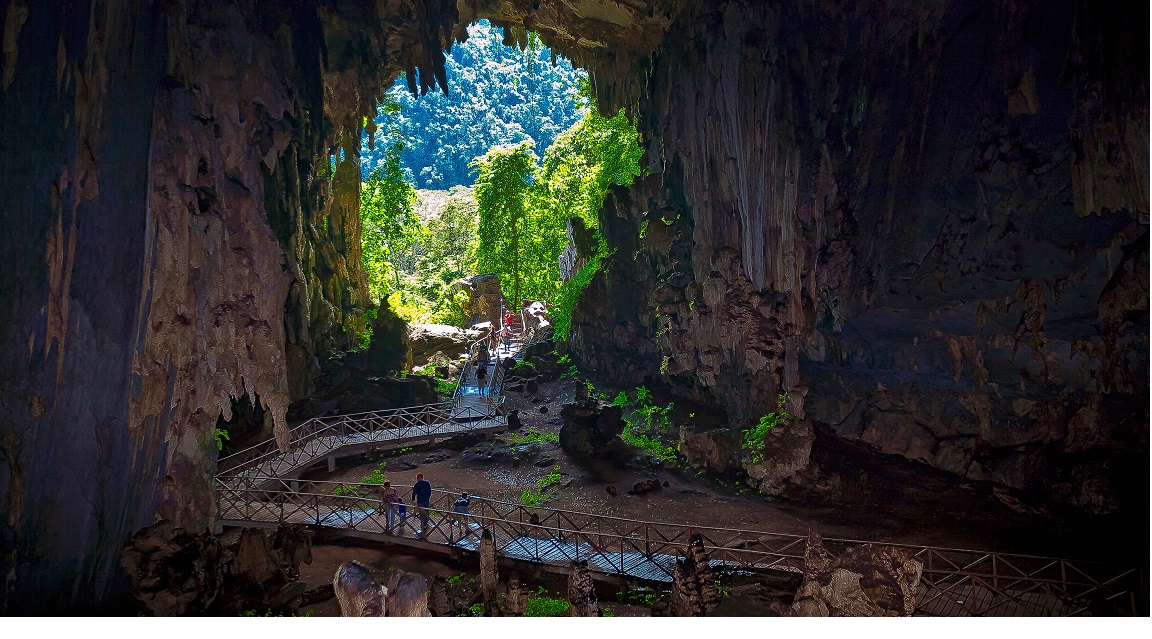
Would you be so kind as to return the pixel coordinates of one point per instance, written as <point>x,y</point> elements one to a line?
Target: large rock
<point>407,595</point>
<point>358,591</point>
<point>425,340</point>
<point>592,430</point>
<point>174,573</point>
<point>485,298</point>
<point>388,350</point>
<point>866,581</point>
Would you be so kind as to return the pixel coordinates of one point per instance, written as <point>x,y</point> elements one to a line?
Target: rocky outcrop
<point>581,591</point>
<point>485,299</point>
<point>407,595</point>
<point>175,573</point>
<point>489,574</point>
<point>592,430</point>
<point>358,591</point>
<point>425,340</point>
<point>694,591</point>
<point>264,572</point>
<point>884,232</point>
<point>865,581</point>
<point>388,351</point>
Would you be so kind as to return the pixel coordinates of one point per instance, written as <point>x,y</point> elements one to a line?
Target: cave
<point>924,225</point>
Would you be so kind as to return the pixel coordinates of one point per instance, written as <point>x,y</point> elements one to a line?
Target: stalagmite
<point>693,585</point>
<point>358,592</point>
<point>489,576</point>
<point>516,599</point>
<point>581,591</point>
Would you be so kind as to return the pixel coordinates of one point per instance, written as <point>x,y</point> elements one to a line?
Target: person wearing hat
<point>422,495</point>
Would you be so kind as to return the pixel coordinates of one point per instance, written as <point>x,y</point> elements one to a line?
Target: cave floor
<point>905,509</point>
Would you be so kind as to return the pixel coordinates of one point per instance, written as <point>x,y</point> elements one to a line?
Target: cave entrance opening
<point>484,176</point>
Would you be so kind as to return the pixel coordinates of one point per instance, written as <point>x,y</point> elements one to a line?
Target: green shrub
<point>530,497</point>
<point>534,437</point>
<point>754,437</point>
<point>549,479</point>
<point>546,607</point>
<point>221,436</point>
<point>376,477</point>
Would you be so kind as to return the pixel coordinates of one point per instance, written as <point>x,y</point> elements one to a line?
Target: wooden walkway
<point>258,487</point>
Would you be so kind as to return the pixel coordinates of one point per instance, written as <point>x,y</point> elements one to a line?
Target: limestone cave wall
<point>180,182</point>
<point>926,224</point>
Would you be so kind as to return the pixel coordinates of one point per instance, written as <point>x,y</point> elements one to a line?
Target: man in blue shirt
<point>422,494</point>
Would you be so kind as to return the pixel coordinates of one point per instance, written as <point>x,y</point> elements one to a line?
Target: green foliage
<point>497,94</point>
<point>529,206</point>
<point>445,387</point>
<point>457,580</point>
<point>221,436</point>
<point>503,179</point>
<point>476,610</point>
<point>364,337</point>
<point>550,479</point>
<point>389,225</point>
<point>375,478</point>
<point>531,436</point>
<point>754,437</point>
<point>530,497</point>
<point>645,424</point>
<point>546,607</point>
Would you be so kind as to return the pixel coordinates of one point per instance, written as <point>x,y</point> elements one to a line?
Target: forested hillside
<point>497,95</point>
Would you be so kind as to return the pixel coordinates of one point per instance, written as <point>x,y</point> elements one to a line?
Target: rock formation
<point>425,340</point>
<point>873,210</point>
<point>592,430</point>
<point>865,581</point>
<point>516,598</point>
<point>388,351</point>
<point>927,226</point>
<point>358,591</point>
<point>485,298</point>
<point>489,574</point>
<point>407,595</point>
<point>693,582</point>
<point>174,573</point>
<point>581,591</point>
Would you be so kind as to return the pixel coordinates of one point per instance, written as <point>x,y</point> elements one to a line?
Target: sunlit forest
<point>485,179</point>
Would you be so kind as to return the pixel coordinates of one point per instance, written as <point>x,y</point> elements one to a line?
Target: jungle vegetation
<point>508,214</point>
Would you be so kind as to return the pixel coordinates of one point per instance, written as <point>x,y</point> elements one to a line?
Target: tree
<point>497,95</point>
<point>503,179</point>
<point>389,226</point>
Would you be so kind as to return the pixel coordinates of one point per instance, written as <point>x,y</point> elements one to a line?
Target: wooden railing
<point>321,436</point>
<point>955,582</point>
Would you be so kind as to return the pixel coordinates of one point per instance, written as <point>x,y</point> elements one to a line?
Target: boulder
<point>388,350</point>
<point>867,580</point>
<point>592,430</point>
<point>174,573</point>
<point>787,449</point>
<point>358,591</point>
<point>407,595</point>
<point>424,340</point>
<point>485,298</point>
<point>644,487</point>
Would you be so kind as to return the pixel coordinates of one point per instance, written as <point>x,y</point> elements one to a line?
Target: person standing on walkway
<point>422,495</point>
<point>389,496</point>
<point>460,514</point>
